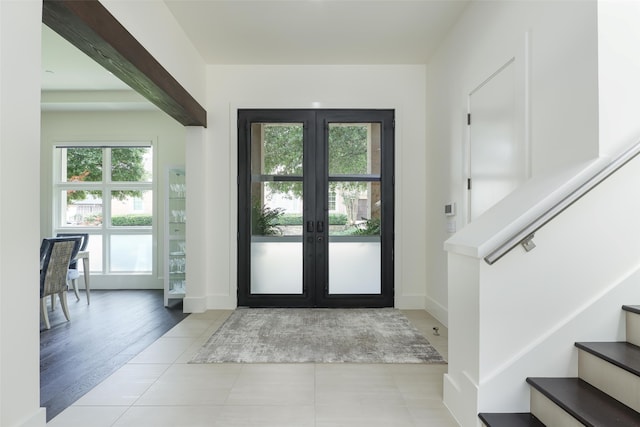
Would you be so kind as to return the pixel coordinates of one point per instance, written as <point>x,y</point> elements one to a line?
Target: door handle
<point>309,226</point>
<point>320,227</point>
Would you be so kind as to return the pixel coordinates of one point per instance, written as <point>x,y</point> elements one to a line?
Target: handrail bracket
<point>527,242</point>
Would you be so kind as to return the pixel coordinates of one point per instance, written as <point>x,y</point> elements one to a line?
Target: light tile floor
<point>159,388</point>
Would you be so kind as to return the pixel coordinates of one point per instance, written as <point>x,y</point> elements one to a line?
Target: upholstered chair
<point>73,274</point>
<point>58,253</point>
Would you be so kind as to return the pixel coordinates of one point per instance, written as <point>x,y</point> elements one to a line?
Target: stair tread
<point>622,354</point>
<point>632,308</point>
<point>521,419</point>
<point>586,403</point>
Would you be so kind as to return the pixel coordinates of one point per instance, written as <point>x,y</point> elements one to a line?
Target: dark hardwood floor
<point>76,356</point>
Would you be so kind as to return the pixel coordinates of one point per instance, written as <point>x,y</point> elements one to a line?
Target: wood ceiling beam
<point>89,26</point>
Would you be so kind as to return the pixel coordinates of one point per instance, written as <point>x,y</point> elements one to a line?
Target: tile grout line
<point>169,366</point>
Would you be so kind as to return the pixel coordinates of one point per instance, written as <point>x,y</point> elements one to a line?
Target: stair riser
<point>616,382</point>
<point>633,327</point>
<point>549,413</point>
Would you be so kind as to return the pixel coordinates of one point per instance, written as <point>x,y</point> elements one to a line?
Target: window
<point>332,200</point>
<point>107,191</point>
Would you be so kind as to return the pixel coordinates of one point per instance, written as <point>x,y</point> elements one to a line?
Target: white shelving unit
<point>175,277</point>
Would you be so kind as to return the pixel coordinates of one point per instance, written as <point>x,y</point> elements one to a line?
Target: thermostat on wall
<point>450,209</point>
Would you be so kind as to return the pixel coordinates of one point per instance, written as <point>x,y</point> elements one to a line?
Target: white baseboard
<point>194,304</point>
<point>421,302</point>
<point>221,302</point>
<point>410,302</point>
<point>437,310</point>
<point>209,302</point>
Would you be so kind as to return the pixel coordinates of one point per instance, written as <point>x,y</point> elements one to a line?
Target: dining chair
<point>73,273</point>
<point>58,253</point>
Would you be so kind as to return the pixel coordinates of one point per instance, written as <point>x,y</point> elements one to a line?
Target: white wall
<point>168,139</point>
<point>20,23</point>
<point>619,68</point>
<point>231,87</point>
<point>198,227</point>
<point>554,46</point>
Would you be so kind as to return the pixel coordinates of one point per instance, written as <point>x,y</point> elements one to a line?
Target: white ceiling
<point>278,32</point>
<point>65,67</point>
<point>316,31</point>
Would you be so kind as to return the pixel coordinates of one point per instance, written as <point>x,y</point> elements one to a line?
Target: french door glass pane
<point>81,208</point>
<point>131,208</point>
<point>354,149</point>
<point>354,247</point>
<point>131,164</point>
<point>131,253</point>
<point>276,208</point>
<point>81,164</point>
<point>355,209</point>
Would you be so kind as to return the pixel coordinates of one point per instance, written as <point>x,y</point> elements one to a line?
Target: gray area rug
<point>292,335</point>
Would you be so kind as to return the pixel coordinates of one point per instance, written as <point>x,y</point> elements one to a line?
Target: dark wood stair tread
<point>632,308</point>
<point>622,354</point>
<point>586,403</point>
<point>522,419</point>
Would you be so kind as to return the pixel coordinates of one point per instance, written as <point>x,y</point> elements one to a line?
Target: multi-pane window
<point>332,200</point>
<point>107,191</point>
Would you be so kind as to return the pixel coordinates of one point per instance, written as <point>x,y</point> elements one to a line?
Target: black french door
<point>315,208</point>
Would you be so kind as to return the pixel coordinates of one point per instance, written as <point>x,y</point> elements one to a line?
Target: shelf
<point>175,235</point>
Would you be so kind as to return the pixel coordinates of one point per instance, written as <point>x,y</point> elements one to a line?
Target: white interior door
<point>497,162</point>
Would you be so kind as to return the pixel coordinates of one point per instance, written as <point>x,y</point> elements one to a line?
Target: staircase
<point>606,392</point>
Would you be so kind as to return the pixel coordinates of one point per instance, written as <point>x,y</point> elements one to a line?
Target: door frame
<point>315,128</point>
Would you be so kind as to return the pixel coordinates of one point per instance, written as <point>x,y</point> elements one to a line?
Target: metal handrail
<point>525,235</point>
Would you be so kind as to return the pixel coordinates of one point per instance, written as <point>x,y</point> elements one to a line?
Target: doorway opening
<point>315,203</point>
